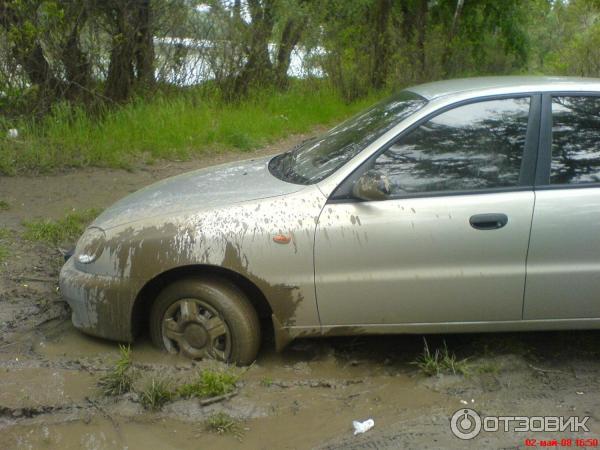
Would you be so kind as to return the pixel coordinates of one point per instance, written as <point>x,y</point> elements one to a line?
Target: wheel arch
<point>146,296</point>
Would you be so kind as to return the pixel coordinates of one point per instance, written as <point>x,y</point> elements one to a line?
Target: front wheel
<point>205,318</point>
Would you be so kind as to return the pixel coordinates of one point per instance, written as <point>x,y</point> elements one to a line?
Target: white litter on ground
<point>361,427</point>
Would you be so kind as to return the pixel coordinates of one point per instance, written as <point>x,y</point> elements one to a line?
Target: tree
<point>132,49</point>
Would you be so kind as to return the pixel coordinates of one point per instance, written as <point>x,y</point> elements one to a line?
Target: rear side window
<point>575,140</point>
<point>471,147</point>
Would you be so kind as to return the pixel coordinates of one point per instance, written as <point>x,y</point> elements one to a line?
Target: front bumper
<point>101,305</point>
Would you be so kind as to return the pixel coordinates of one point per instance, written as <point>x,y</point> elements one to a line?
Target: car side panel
<point>563,264</point>
<point>420,261</point>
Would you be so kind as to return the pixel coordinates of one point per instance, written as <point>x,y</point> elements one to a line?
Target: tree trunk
<point>258,67</point>
<point>457,11</point>
<point>414,28</point>
<point>421,33</point>
<point>77,67</point>
<point>119,81</point>
<point>292,31</point>
<point>452,33</point>
<point>381,43</point>
<point>144,54</point>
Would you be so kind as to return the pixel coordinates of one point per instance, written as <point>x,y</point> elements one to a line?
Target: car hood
<point>207,188</point>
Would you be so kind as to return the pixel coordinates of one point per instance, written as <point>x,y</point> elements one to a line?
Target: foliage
<point>223,423</point>
<point>4,252</point>
<point>266,382</point>
<point>59,231</point>
<point>209,384</point>
<point>119,380</point>
<point>155,394</point>
<point>173,127</point>
<point>440,361</point>
<point>572,43</point>
<point>120,81</point>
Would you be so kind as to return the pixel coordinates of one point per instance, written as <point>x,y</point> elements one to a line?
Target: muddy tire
<point>205,318</point>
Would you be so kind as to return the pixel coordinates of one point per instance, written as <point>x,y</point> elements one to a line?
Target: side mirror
<point>373,185</point>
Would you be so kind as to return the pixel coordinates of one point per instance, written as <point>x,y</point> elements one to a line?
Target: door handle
<point>488,221</point>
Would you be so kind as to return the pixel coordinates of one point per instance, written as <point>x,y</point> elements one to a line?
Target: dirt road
<point>305,397</point>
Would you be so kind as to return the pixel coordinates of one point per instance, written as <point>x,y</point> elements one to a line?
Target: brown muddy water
<point>305,397</point>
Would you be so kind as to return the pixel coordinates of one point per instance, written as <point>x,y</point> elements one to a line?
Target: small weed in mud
<point>222,423</point>
<point>4,235</point>
<point>266,382</point>
<point>3,252</point>
<point>59,231</point>
<point>120,378</point>
<point>4,206</point>
<point>440,361</point>
<point>210,383</point>
<point>156,394</point>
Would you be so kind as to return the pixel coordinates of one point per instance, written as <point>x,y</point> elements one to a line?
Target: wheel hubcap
<point>195,329</point>
<point>196,335</point>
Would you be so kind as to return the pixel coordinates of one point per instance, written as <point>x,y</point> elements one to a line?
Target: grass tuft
<point>440,361</point>
<point>4,206</point>
<point>222,423</point>
<point>266,382</point>
<point>55,232</point>
<point>120,378</point>
<point>209,384</point>
<point>155,394</point>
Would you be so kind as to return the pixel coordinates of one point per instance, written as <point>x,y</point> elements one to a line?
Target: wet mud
<point>304,397</point>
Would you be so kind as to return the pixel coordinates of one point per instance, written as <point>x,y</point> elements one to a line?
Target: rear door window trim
<point>544,164</point>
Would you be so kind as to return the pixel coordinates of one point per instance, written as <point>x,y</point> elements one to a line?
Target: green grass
<point>441,361</point>
<point>170,127</point>
<point>56,232</point>
<point>3,252</point>
<point>209,384</point>
<point>4,205</point>
<point>5,234</point>
<point>155,394</point>
<point>119,380</point>
<point>266,382</point>
<point>222,423</point>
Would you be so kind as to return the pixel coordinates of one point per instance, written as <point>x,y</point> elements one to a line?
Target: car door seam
<point>527,255</point>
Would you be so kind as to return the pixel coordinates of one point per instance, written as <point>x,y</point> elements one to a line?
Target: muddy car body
<point>366,230</point>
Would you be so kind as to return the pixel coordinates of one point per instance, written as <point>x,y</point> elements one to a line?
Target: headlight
<point>90,245</point>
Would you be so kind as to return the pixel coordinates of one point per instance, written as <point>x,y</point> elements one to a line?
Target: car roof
<point>489,85</point>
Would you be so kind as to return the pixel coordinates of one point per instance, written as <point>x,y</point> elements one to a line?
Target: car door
<point>563,266</point>
<point>449,243</point>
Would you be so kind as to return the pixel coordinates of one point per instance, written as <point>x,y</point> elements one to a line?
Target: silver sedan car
<point>457,206</point>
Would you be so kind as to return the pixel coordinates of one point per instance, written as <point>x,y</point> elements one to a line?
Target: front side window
<point>317,158</point>
<point>470,147</point>
<point>575,140</point>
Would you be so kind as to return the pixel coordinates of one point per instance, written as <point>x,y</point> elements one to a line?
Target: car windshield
<point>317,158</point>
